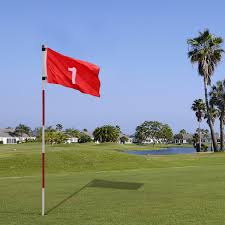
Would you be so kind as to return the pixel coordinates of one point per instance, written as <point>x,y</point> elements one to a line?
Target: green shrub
<point>204,148</point>
<point>84,138</point>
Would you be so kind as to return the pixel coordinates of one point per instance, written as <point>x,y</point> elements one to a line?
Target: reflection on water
<point>167,151</point>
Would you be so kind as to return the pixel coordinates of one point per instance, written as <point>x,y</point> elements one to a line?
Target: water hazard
<point>167,151</point>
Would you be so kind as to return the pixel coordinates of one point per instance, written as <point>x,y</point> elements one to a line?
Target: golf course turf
<point>89,184</point>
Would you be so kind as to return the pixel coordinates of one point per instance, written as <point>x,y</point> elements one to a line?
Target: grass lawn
<point>97,185</point>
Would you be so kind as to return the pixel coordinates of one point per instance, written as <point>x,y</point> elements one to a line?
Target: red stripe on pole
<point>43,107</point>
<point>43,170</point>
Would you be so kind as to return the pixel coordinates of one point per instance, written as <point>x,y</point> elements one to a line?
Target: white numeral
<point>74,72</point>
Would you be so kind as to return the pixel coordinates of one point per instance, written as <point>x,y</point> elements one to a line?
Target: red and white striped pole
<point>44,76</point>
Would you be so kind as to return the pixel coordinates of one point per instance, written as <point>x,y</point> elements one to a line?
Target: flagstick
<point>43,130</point>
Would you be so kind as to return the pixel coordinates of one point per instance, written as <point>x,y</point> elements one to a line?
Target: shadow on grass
<point>115,184</point>
<point>100,184</point>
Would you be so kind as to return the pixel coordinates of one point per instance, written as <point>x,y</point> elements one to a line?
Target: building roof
<point>132,136</point>
<point>5,132</point>
<point>187,136</point>
<point>123,135</point>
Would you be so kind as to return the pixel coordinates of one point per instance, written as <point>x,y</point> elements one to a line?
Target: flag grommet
<point>43,48</point>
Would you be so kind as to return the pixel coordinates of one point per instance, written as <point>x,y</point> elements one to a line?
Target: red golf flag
<point>72,73</point>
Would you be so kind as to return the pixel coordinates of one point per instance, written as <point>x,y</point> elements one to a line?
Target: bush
<point>204,148</point>
<point>30,140</point>
<point>1,142</point>
<point>84,138</point>
<point>106,133</point>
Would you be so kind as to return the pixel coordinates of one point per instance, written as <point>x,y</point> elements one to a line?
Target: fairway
<point>113,188</point>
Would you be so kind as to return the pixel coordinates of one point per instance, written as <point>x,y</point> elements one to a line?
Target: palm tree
<point>206,51</point>
<point>205,134</point>
<point>217,95</point>
<point>183,131</point>
<point>22,129</point>
<point>50,129</point>
<point>199,108</point>
<point>195,140</point>
<point>59,127</point>
<point>98,133</point>
<point>73,132</point>
<point>214,114</point>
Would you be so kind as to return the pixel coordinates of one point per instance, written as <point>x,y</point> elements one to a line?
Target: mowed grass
<point>98,185</point>
<point>24,159</point>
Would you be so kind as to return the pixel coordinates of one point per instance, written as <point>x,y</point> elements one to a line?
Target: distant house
<point>91,136</point>
<point>187,138</point>
<point>72,140</point>
<point>149,140</point>
<point>207,139</point>
<point>183,139</point>
<point>8,136</point>
<point>132,138</point>
<point>128,141</point>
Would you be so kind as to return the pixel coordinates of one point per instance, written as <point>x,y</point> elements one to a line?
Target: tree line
<point>107,133</point>
<point>147,132</point>
<point>56,135</point>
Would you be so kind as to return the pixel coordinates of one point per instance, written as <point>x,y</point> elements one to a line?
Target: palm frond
<point>205,50</point>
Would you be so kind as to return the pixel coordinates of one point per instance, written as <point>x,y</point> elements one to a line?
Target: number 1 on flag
<point>74,72</point>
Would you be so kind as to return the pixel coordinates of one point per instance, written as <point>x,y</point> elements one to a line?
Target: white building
<point>8,136</point>
<point>183,139</point>
<point>128,141</point>
<point>149,140</point>
<point>72,140</point>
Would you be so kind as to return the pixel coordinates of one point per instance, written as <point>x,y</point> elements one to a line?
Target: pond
<point>167,151</point>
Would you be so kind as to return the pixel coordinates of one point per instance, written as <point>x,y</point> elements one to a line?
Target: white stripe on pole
<point>44,68</point>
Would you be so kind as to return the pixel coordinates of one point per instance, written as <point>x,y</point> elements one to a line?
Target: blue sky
<point>139,45</point>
